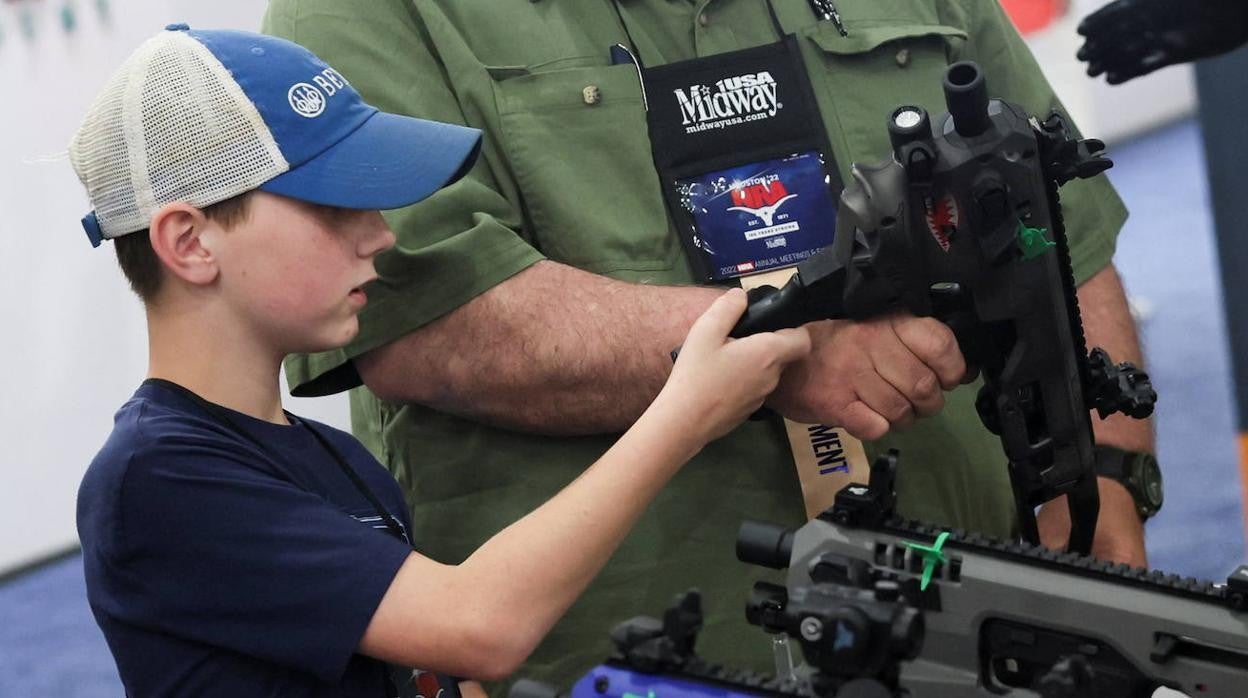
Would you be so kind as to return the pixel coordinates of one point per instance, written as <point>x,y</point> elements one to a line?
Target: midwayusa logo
<point>729,102</point>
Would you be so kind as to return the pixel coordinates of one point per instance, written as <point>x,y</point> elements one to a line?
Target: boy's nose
<point>377,237</point>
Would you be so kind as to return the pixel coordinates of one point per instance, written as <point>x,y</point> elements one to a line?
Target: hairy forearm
<point>552,350</point>
<point>1107,324</point>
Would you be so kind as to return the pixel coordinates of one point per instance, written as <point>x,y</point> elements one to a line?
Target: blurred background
<point>76,346</point>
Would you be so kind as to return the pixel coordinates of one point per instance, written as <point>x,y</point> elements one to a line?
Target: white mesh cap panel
<point>98,154</point>
<point>171,125</point>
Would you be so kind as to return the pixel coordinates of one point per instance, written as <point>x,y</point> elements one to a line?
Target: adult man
<point>559,268</point>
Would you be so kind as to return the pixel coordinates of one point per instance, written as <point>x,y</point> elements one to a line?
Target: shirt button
<point>591,94</point>
<point>704,19</point>
<point>903,57</point>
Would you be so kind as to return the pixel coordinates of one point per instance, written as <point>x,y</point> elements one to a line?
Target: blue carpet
<point>50,645</point>
<point>1167,257</point>
<point>49,642</point>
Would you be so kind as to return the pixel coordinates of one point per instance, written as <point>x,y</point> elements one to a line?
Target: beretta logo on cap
<point>310,100</point>
<point>306,100</point>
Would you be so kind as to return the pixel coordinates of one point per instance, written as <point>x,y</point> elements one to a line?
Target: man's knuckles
<point>895,408</point>
<point>927,388</point>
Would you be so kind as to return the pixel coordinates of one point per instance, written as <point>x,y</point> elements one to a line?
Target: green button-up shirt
<point>570,179</point>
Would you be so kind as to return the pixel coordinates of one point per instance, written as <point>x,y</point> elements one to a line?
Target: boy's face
<point>295,270</point>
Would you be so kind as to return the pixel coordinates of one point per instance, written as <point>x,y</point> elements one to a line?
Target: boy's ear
<point>177,233</point>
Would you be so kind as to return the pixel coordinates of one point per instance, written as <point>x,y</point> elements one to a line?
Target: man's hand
<point>871,377</point>
<point>1119,531</point>
<point>1129,38</point>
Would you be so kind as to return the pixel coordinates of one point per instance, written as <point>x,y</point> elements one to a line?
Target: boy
<point>232,548</point>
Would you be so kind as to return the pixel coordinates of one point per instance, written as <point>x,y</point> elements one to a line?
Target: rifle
<point>883,607</point>
<point>963,223</point>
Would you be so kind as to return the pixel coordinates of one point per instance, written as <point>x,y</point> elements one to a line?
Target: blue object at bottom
<point>606,681</point>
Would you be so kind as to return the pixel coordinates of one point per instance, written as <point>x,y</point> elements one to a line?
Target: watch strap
<point>1137,471</point>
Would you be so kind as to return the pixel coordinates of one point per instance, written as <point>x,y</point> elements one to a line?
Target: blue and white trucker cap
<point>201,116</point>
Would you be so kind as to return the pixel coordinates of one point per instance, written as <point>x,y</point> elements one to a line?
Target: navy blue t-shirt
<point>216,567</point>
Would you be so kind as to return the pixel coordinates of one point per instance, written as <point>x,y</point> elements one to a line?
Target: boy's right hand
<point>718,381</point>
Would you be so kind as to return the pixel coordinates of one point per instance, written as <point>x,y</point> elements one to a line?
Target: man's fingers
<point>933,343</point>
<point>925,393</point>
<point>885,400</point>
<point>863,423</point>
<point>712,328</point>
<point>909,376</point>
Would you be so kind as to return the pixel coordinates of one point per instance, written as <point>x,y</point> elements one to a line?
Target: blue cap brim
<point>390,161</point>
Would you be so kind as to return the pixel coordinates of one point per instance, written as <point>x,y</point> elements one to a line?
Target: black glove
<point>1129,38</point>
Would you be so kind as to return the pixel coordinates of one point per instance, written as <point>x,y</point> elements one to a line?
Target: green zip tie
<point>1032,241</point>
<point>932,554</point>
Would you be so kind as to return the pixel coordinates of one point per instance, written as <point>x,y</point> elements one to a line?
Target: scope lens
<point>907,118</point>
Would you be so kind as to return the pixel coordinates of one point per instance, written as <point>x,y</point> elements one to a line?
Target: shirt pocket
<point>860,79</point>
<point>577,144</point>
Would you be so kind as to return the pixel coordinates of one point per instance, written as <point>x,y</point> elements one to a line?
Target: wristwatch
<point>1138,472</point>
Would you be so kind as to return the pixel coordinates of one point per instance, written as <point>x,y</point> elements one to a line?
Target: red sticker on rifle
<point>942,219</point>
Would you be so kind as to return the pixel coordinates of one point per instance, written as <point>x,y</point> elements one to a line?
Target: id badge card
<point>759,216</point>
<point>745,164</point>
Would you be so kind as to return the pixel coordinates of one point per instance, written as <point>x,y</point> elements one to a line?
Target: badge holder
<point>751,185</point>
<point>748,176</point>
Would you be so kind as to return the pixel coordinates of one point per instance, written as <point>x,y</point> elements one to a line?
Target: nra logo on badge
<point>762,199</point>
<point>734,100</point>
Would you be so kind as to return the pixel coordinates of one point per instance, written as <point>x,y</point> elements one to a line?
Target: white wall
<point>74,344</point>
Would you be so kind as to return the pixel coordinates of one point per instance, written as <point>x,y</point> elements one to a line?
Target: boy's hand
<point>717,382</point>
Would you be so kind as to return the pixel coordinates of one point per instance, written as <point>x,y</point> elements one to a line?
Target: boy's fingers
<point>775,349</point>
<point>794,344</point>
<point>712,328</point>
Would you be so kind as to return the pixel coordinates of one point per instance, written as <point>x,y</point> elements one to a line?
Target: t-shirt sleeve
<point>451,247</point>
<point>1091,209</point>
<point>213,550</point>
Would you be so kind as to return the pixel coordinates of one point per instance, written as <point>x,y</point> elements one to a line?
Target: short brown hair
<point>139,261</point>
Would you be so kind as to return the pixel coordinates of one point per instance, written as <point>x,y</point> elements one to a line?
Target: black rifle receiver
<point>963,224</point>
